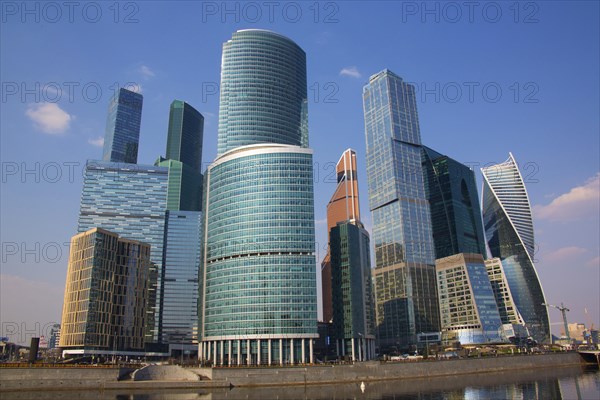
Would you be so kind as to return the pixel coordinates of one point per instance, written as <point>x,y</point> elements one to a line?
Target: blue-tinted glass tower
<point>509,233</point>
<point>129,200</point>
<point>405,285</point>
<point>181,269</point>
<point>455,214</point>
<point>123,127</point>
<point>259,278</point>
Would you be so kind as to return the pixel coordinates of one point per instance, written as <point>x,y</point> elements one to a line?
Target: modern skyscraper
<point>129,200</point>
<point>184,138</point>
<point>106,294</point>
<point>405,286</point>
<point>343,206</point>
<point>352,291</point>
<point>123,127</point>
<point>181,269</point>
<point>455,214</point>
<point>509,232</point>
<point>468,309</point>
<point>346,270</point>
<point>259,295</point>
<point>263,91</point>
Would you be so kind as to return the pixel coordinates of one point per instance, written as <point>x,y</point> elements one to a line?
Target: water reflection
<point>560,383</point>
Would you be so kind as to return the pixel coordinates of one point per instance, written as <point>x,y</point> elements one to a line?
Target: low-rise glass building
<point>468,309</point>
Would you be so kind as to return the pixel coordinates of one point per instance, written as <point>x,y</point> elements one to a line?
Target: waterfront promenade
<point>163,377</point>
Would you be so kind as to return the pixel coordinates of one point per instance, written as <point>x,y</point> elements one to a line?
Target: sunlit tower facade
<point>405,283</point>
<point>343,206</point>
<point>509,232</point>
<point>259,277</point>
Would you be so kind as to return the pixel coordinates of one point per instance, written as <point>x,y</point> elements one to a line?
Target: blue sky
<point>502,76</point>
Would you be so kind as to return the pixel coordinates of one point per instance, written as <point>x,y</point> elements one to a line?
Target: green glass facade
<point>352,291</point>
<point>184,186</point>
<point>455,214</point>
<point>184,138</point>
<point>263,91</point>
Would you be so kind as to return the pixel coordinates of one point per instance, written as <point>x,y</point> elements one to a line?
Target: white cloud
<point>564,253</point>
<point>352,72</point>
<point>146,72</point>
<point>580,202</point>
<point>98,142</point>
<point>49,118</point>
<point>594,262</point>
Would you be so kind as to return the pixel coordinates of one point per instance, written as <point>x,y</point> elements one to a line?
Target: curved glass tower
<point>509,232</point>
<point>259,278</point>
<point>263,91</point>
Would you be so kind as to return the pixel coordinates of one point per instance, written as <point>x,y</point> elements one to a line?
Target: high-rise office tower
<point>184,138</point>
<point>405,286</point>
<point>468,309</point>
<point>106,294</point>
<point>352,291</point>
<point>259,295</point>
<point>346,271</point>
<point>455,214</point>
<point>509,233</point>
<point>123,127</point>
<point>343,206</point>
<point>179,302</point>
<point>180,277</point>
<point>129,200</point>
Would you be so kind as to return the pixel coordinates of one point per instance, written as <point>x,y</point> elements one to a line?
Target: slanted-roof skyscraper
<point>454,204</point>
<point>259,292</point>
<point>347,287</point>
<point>184,138</point>
<point>405,285</point>
<point>343,206</point>
<point>122,134</point>
<point>509,232</point>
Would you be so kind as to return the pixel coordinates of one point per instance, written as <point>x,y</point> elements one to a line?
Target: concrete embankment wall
<point>57,378</point>
<point>373,371</point>
<point>32,379</point>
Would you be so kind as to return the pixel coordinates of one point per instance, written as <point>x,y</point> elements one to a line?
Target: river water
<point>567,383</point>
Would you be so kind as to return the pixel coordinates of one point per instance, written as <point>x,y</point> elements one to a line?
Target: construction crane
<point>563,310</point>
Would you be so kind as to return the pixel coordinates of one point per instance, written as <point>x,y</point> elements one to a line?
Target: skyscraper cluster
<point>170,259</point>
<point>432,272</point>
<point>158,207</point>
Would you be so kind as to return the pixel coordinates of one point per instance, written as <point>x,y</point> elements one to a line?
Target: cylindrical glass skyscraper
<point>263,91</point>
<point>259,277</point>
